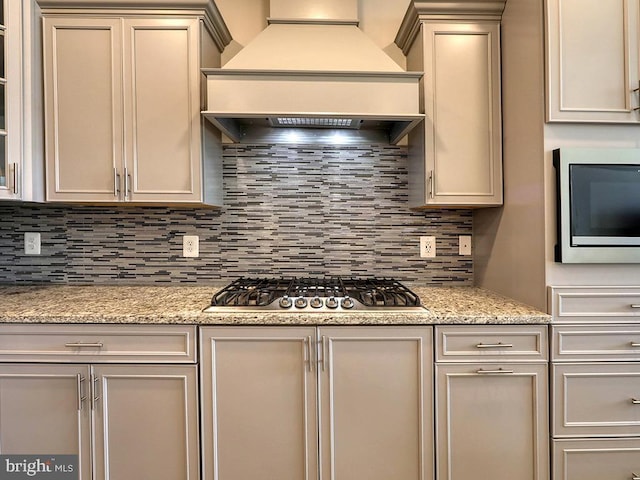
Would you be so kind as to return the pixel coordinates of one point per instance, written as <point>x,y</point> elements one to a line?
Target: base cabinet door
<point>492,422</point>
<point>596,459</point>
<point>259,403</point>
<point>261,415</point>
<point>44,411</point>
<point>376,403</point>
<point>146,422</point>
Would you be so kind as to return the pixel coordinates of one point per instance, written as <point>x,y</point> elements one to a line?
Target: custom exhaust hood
<point>313,76</point>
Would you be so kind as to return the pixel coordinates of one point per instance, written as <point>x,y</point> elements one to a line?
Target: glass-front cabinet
<point>21,165</point>
<point>3,98</point>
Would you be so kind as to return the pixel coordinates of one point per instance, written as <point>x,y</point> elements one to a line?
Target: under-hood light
<point>315,122</point>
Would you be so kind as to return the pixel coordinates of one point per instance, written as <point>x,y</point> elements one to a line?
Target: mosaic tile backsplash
<point>289,210</point>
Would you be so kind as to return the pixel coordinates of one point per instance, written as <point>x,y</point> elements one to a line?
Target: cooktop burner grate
<point>315,294</point>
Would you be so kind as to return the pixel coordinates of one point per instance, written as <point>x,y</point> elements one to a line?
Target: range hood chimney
<point>311,76</point>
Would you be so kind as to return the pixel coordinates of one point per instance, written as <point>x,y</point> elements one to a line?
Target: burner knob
<point>301,302</point>
<point>348,303</point>
<point>331,302</point>
<point>285,302</point>
<point>316,302</point>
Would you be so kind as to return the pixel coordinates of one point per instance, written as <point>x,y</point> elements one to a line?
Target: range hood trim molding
<point>311,73</point>
<point>310,21</point>
<point>228,123</point>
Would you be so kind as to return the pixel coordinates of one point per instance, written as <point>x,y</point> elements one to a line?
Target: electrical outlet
<point>32,243</point>
<point>428,247</point>
<point>190,246</point>
<point>464,245</point>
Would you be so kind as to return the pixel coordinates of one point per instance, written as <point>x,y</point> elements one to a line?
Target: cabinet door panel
<point>596,459</point>
<point>593,55</point>
<point>162,110</point>
<point>462,103</point>
<point>259,403</point>
<point>41,412</point>
<point>83,104</point>
<point>146,423</point>
<point>596,400</point>
<point>492,425</point>
<point>376,403</point>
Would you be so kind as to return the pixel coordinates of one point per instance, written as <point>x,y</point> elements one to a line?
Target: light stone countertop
<point>184,305</point>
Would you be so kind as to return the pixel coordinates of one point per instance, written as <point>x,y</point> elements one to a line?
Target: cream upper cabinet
<point>593,56</point>
<point>455,159</point>
<point>122,108</point>
<point>21,169</point>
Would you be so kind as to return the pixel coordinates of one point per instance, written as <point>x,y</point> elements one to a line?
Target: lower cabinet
<point>124,398</point>
<point>596,459</point>
<point>492,413</point>
<point>42,412</point>
<point>292,403</point>
<point>124,421</point>
<point>492,422</point>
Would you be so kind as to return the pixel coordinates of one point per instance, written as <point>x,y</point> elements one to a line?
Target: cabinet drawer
<point>98,343</point>
<point>596,459</point>
<point>596,343</point>
<point>595,304</point>
<point>596,400</point>
<point>510,343</point>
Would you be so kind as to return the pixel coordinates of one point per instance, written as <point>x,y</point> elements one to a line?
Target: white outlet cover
<point>191,246</point>
<point>464,245</point>
<point>32,243</point>
<point>428,247</point>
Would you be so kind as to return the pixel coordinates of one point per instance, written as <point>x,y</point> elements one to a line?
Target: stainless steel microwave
<point>598,205</point>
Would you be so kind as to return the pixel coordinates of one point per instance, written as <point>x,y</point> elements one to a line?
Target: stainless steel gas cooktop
<point>332,294</point>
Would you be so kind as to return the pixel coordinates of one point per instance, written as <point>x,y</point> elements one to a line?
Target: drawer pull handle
<point>635,344</point>
<point>499,371</point>
<point>494,345</point>
<point>635,477</point>
<point>635,305</point>
<point>635,401</point>
<point>84,345</point>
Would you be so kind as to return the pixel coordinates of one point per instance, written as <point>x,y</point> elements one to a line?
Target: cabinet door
<point>596,400</point>
<point>492,422</point>
<point>44,410</point>
<point>259,403</point>
<point>162,110</point>
<point>146,422</point>
<point>596,459</point>
<point>10,100</point>
<point>463,126</point>
<point>592,61</point>
<point>376,403</point>
<point>83,108</point>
